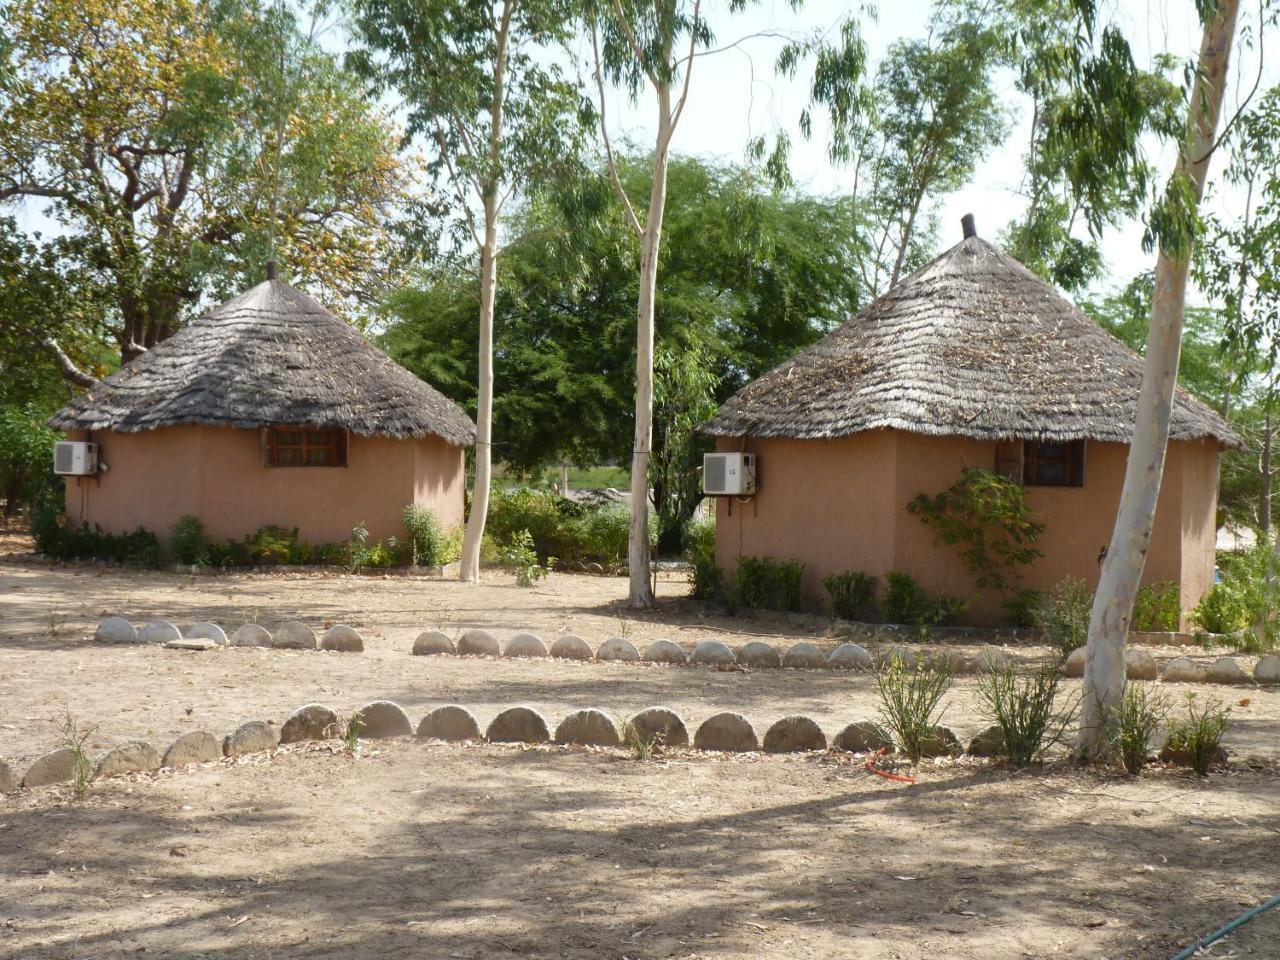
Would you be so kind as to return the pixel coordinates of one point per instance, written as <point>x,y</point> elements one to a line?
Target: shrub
<point>189,543</point>
<point>1157,607</point>
<point>232,553</point>
<point>905,601</point>
<point>1062,615</point>
<point>274,545</point>
<point>1141,712</point>
<point>48,520</point>
<point>59,539</point>
<point>706,578</point>
<point>427,544</point>
<point>1199,737</point>
<point>521,556</point>
<point>1222,610</point>
<point>571,530</point>
<point>853,594</point>
<point>909,699</point>
<point>601,534</point>
<point>763,583</point>
<point>1022,607</point>
<point>1024,709</point>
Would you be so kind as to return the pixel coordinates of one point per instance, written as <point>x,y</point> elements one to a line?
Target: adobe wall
<point>217,474</point>
<point>842,505</point>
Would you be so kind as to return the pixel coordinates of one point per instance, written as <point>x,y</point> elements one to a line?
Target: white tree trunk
<point>1104,675</point>
<point>641,592</point>
<point>470,565</point>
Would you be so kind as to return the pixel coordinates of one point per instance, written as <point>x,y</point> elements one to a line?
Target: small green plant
<point>1157,607</point>
<point>909,703</point>
<point>643,748</point>
<point>350,730</point>
<point>1199,737</point>
<point>763,583</point>
<point>905,601</point>
<point>705,577</point>
<point>1141,712</point>
<point>429,546</point>
<point>523,559</point>
<point>1062,615</point>
<point>189,543</point>
<point>74,737</point>
<point>54,621</point>
<point>1222,610</point>
<point>1025,709</point>
<point>853,595</point>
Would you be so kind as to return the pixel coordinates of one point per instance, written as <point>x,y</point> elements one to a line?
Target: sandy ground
<point>435,851</point>
<point>479,851</point>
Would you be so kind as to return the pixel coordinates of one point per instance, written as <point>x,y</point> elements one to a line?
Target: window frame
<point>1072,462</point>
<point>336,445</point>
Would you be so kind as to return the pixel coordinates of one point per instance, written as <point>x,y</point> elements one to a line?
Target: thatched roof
<point>271,355</point>
<point>972,345</point>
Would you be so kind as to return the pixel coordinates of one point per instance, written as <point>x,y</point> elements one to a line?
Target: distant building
<point>973,361</point>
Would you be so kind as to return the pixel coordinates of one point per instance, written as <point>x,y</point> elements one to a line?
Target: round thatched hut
<point>267,410</point>
<point>973,361</point>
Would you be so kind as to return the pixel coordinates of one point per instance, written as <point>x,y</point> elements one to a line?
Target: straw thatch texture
<point>973,345</point>
<point>271,355</point>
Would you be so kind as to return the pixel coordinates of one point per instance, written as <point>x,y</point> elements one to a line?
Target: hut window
<point>1053,464</point>
<point>292,446</point>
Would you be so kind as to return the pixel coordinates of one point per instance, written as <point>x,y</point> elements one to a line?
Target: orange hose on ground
<point>895,777</point>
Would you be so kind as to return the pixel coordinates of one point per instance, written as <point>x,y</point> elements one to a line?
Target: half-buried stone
<point>714,653</point>
<point>8,779</point>
<point>252,737</point>
<point>988,743</point>
<point>478,643</point>
<point>314,721</point>
<point>863,736</point>
<point>518,725</point>
<point>591,727</point>
<point>251,635</point>
<point>1226,670</point>
<point>618,648</point>
<point>450,722</point>
<point>794,735</point>
<point>382,719</point>
<point>206,631</point>
<point>1139,665</point>
<point>942,742</point>
<point>159,631</point>
<point>1267,669</point>
<point>116,630</point>
<point>658,726</point>
<point>805,655</point>
<point>726,731</point>
<point>665,651</point>
<point>1074,665</point>
<point>525,645</point>
<point>58,766</point>
<point>294,635</point>
<point>1183,670</point>
<point>569,647</point>
<point>757,653</point>
<point>195,747</point>
<point>849,656</point>
<point>135,756</point>
<point>431,642</point>
<point>342,639</point>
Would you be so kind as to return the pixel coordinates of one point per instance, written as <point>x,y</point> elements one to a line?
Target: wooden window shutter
<point>1009,459</point>
<point>268,447</point>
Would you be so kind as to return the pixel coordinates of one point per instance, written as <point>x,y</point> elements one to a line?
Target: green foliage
<point>905,601</point>
<point>428,544</point>
<point>762,583</point>
<point>26,456</point>
<point>1022,607</point>
<point>909,703</point>
<point>853,595</point>
<point>1157,607</point>
<point>985,515</point>
<point>1062,615</point>
<point>1199,737</point>
<point>189,543</point>
<point>520,555</point>
<point>74,736</point>
<point>1141,712</point>
<point>273,544</point>
<point>571,530</point>
<point>56,536</point>
<point>1025,709</point>
<point>1222,610</point>
<point>705,575</point>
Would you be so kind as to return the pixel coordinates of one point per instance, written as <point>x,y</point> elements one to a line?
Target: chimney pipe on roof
<point>271,269</point>
<point>969,227</point>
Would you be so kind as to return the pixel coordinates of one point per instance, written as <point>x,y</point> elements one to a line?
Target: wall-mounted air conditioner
<point>75,458</point>
<point>729,474</point>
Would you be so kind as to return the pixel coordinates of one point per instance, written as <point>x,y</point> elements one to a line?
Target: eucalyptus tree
<point>1173,224</point>
<point>483,87</point>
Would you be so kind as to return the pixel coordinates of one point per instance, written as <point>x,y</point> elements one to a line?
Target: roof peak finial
<point>271,270</point>
<point>968,226</point>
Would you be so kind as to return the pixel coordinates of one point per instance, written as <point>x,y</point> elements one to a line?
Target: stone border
<point>291,635</point>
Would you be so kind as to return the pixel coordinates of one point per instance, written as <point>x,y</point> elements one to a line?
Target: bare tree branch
<point>610,162</point>
<point>70,371</point>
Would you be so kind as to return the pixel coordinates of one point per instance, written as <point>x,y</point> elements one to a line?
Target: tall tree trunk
<point>1264,501</point>
<point>470,565</point>
<point>1104,675</point>
<point>641,589</point>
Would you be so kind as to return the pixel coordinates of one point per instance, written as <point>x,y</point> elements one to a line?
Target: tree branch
<point>70,372</point>
<point>633,41</point>
<point>688,65</point>
<point>610,162</point>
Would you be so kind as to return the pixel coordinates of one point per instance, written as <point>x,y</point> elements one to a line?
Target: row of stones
<point>293,635</point>
<point>382,719</point>
<point>1140,665</point>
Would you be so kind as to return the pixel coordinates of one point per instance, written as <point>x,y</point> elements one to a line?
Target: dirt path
<point>487,851</point>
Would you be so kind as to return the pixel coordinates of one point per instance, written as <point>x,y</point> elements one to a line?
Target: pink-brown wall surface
<point>217,474</point>
<point>841,505</point>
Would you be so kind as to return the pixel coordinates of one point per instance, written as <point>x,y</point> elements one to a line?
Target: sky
<point>735,96</point>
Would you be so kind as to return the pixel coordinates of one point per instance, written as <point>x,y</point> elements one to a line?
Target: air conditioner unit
<point>75,458</point>
<point>729,474</point>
